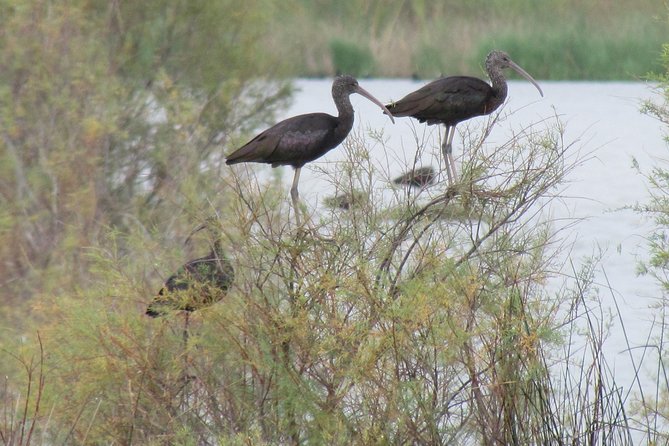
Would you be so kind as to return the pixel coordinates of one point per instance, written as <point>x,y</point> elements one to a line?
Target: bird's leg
<point>185,335</point>
<point>447,151</point>
<point>294,194</point>
<point>450,153</point>
<point>185,376</point>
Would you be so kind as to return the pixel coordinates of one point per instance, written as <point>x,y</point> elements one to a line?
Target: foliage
<point>553,39</point>
<point>350,58</point>
<point>660,110</point>
<point>417,317</point>
<point>568,53</point>
<point>402,324</point>
<point>655,409</point>
<point>21,406</point>
<point>428,63</point>
<point>108,113</point>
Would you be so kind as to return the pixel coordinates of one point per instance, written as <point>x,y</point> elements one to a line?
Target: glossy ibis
<point>198,283</point>
<point>347,200</point>
<point>418,177</point>
<point>304,138</point>
<point>454,99</point>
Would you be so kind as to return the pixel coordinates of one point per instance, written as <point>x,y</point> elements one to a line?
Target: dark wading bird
<point>454,99</point>
<point>347,200</point>
<point>418,177</point>
<point>196,284</point>
<point>304,138</point>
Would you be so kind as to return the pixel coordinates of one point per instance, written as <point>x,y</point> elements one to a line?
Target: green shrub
<point>107,120</point>
<point>351,58</point>
<point>567,52</point>
<point>407,327</point>
<point>427,62</point>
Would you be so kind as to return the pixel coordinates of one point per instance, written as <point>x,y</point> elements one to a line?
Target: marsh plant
<point>652,406</point>
<point>416,317</point>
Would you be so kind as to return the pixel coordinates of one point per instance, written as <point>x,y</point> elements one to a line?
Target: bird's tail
<point>153,312</point>
<point>403,108</point>
<point>247,153</point>
<point>156,307</point>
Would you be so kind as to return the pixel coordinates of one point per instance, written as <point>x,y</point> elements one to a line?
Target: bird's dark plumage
<point>448,101</point>
<point>198,283</point>
<point>454,99</point>
<point>295,141</point>
<point>419,177</point>
<point>347,200</point>
<point>304,138</point>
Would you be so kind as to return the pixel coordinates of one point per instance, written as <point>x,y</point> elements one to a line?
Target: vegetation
<point>111,132</point>
<point>416,319</point>
<point>554,39</point>
<point>409,326</point>
<point>656,408</point>
<point>349,58</point>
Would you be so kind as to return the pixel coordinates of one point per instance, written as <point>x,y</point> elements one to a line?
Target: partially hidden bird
<point>347,200</point>
<point>198,283</point>
<point>451,100</point>
<point>304,138</point>
<point>417,177</point>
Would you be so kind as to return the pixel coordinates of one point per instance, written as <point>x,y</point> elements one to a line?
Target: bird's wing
<point>463,93</point>
<point>417,177</point>
<point>458,92</point>
<point>164,301</point>
<point>415,101</point>
<point>287,141</point>
<point>257,149</point>
<point>177,281</point>
<point>198,270</point>
<point>202,272</point>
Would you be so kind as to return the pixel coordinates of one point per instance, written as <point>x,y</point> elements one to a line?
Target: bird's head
<point>213,226</point>
<point>346,85</point>
<point>499,60</point>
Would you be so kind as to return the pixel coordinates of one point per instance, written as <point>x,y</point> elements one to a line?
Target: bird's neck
<point>345,111</point>
<point>499,85</point>
<point>217,249</point>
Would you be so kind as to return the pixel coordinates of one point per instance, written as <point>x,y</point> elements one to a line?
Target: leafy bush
<point>427,62</point>
<point>101,131</point>
<point>423,320</point>
<point>351,58</point>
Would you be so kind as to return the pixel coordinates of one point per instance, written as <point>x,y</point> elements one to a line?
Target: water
<point>602,120</point>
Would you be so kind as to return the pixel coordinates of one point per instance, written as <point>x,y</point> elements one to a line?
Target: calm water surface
<point>605,125</point>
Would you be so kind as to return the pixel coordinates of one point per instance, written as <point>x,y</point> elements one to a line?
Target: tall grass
<point>599,40</point>
<point>575,51</point>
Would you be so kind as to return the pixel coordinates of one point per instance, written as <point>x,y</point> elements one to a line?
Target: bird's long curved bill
<point>369,96</point>
<point>526,75</point>
<point>194,231</point>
